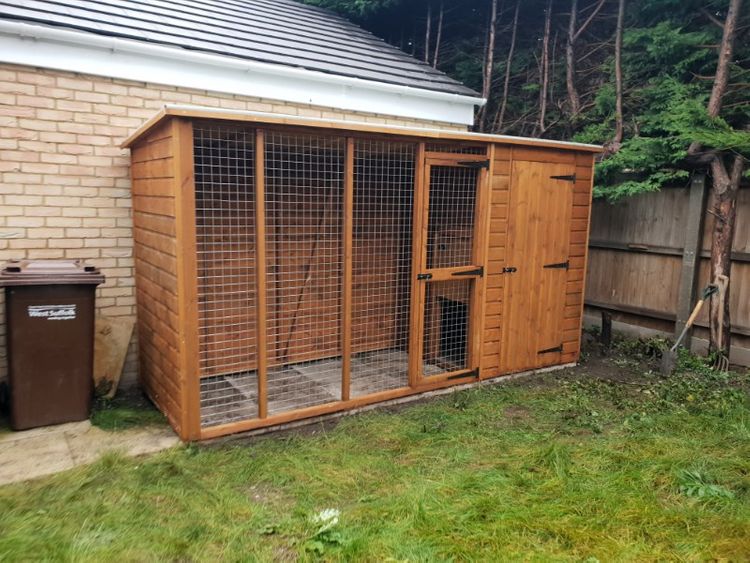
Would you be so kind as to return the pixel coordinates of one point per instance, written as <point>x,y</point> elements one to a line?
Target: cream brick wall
<point>65,190</point>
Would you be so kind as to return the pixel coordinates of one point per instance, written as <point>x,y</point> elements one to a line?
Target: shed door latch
<point>475,272</point>
<point>475,163</point>
<point>551,350</point>
<point>566,177</point>
<point>558,265</point>
<point>424,276</point>
<point>510,270</point>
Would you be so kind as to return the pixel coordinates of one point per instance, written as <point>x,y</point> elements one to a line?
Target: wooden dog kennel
<point>290,267</point>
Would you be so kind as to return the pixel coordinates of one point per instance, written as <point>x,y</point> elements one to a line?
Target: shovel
<point>669,357</point>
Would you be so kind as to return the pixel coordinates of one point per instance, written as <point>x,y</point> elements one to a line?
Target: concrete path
<point>44,451</point>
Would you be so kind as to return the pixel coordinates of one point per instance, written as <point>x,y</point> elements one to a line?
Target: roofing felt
<point>281,32</point>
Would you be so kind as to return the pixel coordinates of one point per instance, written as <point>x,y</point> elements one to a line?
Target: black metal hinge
<point>424,276</point>
<point>510,270</point>
<point>472,373</point>
<point>566,177</point>
<point>475,163</point>
<point>550,350</point>
<point>475,272</point>
<point>559,265</point>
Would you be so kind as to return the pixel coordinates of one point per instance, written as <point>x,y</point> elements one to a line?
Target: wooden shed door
<point>541,199</point>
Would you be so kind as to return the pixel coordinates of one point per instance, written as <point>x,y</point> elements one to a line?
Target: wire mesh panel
<point>304,215</point>
<point>450,227</point>
<point>446,326</point>
<point>381,249</point>
<point>225,237</point>
<point>454,148</point>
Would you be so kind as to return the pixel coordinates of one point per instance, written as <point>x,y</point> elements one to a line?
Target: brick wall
<point>65,189</point>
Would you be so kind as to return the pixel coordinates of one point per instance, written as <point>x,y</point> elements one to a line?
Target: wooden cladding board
<point>495,359</point>
<point>499,185</point>
<point>156,272</point>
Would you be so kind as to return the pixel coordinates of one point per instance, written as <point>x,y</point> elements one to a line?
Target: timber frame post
<point>691,255</point>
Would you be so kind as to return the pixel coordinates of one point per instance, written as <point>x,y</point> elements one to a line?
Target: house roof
<point>279,32</point>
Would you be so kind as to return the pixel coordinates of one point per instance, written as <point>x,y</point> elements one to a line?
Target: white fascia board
<point>88,53</point>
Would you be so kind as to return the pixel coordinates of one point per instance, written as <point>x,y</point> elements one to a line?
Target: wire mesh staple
<point>304,215</point>
<point>381,250</point>
<point>225,237</point>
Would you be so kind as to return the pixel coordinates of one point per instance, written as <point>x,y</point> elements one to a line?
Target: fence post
<point>691,253</point>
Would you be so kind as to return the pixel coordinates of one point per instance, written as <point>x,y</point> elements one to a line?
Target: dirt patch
<point>517,413</point>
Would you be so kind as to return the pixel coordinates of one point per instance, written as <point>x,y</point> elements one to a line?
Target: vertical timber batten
<point>187,277</point>
<point>260,273</point>
<point>347,289</point>
<point>417,261</point>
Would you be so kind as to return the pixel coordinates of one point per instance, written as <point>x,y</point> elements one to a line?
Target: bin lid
<point>49,272</point>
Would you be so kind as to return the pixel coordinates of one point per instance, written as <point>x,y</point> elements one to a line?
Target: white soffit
<point>88,53</point>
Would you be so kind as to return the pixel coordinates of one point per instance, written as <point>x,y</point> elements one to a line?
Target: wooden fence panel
<point>635,258</point>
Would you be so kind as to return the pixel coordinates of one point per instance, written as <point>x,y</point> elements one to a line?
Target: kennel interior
<point>287,268</point>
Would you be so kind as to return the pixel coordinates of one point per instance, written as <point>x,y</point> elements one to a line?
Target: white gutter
<point>89,53</point>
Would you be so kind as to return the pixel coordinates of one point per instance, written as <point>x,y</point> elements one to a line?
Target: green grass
<point>126,412</point>
<point>567,467</point>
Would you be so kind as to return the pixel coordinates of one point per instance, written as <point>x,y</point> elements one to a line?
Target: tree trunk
<point>725,188</point>
<point>488,63</point>
<point>427,34</point>
<point>545,69</point>
<point>725,56</point>
<point>438,36</point>
<point>618,77</point>
<point>574,32</point>
<point>498,125</point>
<point>570,61</point>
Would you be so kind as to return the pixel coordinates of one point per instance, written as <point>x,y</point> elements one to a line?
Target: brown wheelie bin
<point>49,313</point>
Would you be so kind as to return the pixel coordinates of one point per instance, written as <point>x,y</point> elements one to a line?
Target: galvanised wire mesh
<point>450,238</point>
<point>381,249</point>
<point>454,148</point>
<point>304,219</point>
<point>225,236</point>
<point>450,226</point>
<point>446,326</point>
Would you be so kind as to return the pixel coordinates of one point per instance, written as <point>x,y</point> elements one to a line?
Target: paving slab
<point>44,451</point>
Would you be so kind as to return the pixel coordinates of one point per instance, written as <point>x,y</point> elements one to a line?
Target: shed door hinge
<point>566,177</point>
<point>550,350</point>
<point>558,265</point>
<point>475,272</point>
<point>475,163</point>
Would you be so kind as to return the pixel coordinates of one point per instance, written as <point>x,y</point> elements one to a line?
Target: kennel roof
<point>262,118</point>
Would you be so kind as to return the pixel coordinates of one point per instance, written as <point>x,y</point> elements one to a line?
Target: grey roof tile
<point>280,32</point>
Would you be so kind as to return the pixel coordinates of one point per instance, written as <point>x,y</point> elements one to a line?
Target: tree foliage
<point>669,54</point>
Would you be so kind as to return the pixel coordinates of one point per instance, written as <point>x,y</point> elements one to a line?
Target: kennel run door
<point>449,268</point>
<point>541,205</point>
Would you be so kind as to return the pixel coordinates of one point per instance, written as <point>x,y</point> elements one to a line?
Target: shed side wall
<point>155,246</point>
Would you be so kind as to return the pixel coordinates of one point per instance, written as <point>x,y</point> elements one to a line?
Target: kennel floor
<point>233,397</point>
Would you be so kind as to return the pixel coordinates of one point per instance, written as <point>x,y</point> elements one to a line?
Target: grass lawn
<point>607,461</point>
